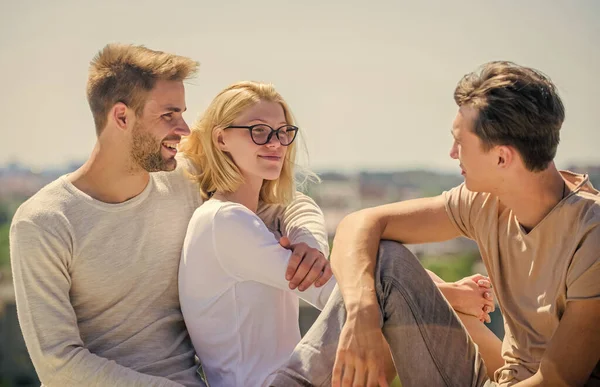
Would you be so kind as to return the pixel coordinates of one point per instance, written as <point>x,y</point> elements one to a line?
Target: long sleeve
<point>301,221</point>
<point>40,264</point>
<point>247,250</point>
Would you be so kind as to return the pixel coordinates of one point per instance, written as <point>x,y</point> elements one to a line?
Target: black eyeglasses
<point>261,133</point>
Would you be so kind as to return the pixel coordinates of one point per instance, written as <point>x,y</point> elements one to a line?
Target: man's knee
<point>394,256</point>
<point>396,261</point>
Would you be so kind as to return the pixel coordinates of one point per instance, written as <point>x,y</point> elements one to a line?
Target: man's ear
<point>506,155</point>
<point>120,115</point>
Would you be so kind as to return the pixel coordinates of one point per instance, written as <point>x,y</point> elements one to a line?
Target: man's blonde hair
<point>127,73</point>
<point>217,171</point>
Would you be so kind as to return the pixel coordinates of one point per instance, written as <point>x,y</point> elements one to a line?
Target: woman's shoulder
<point>228,215</point>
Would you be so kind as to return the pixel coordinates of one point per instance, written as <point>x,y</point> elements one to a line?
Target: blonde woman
<point>238,307</point>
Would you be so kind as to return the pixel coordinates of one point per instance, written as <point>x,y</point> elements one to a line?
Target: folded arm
<point>303,226</point>
<point>353,259</point>
<point>256,255</point>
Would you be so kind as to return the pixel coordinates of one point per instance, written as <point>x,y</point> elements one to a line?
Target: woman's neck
<point>247,195</point>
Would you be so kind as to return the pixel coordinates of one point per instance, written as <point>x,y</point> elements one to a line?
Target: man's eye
<point>168,116</point>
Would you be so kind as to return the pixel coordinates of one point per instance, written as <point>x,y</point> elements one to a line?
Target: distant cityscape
<point>338,194</point>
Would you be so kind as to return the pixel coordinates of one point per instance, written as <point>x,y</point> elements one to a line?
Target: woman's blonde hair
<point>216,171</point>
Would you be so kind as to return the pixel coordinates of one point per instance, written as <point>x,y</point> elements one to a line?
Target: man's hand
<point>307,266</point>
<point>359,360</point>
<point>471,295</point>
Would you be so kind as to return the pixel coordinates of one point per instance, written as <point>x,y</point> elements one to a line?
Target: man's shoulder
<point>585,203</point>
<point>45,207</point>
<point>462,197</point>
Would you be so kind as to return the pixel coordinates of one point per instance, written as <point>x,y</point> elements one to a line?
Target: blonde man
<point>95,254</point>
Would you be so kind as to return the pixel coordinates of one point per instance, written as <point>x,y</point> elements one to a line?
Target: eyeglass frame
<point>270,135</point>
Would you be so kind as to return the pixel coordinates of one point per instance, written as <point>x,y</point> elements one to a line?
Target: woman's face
<point>256,162</point>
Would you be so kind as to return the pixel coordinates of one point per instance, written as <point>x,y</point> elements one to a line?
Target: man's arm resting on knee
<point>573,351</point>
<point>42,282</point>
<point>357,239</point>
<point>353,259</point>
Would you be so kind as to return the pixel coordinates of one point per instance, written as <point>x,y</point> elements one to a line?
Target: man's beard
<point>146,151</point>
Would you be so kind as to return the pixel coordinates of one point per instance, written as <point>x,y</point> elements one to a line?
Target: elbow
<point>551,374</point>
<point>363,219</point>
<point>58,368</point>
<point>355,230</point>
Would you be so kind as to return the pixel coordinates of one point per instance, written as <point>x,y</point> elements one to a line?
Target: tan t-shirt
<point>534,274</point>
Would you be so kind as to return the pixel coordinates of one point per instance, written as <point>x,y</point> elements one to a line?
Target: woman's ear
<point>220,140</point>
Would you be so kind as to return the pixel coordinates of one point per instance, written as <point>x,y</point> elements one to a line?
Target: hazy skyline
<point>370,83</point>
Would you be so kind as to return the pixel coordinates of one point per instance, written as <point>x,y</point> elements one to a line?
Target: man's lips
<point>170,147</point>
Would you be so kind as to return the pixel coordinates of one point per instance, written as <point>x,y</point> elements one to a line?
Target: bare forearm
<point>535,381</point>
<point>353,260</point>
<point>435,278</point>
<point>357,240</point>
<point>489,345</point>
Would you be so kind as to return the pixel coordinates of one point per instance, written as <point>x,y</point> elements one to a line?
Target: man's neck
<point>247,195</point>
<point>110,176</point>
<point>531,196</point>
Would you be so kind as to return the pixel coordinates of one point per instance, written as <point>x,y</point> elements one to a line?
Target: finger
<point>359,374</point>
<point>338,366</point>
<point>325,275</point>
<point>373,377</point>
<point>348,377</point>
<point>293,264</point>
<point>313,274</point>
<point>382,379</point>
<point>285,242</point>
<point>488,299</point>
<point>488,307</point>
<point>374,370</point>
<point>487,310</point>
<point>488,319</point>
<point>484,283</point>
<point>308,261</point>
<point>477,277</point>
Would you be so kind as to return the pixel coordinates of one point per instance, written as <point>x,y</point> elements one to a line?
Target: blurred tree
<point>454,267</point>
<point>4,249</point>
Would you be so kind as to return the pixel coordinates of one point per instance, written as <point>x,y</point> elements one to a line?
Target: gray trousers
<point>429,344</point>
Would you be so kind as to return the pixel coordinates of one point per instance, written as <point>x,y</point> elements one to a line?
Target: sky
<point>369,82</point>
